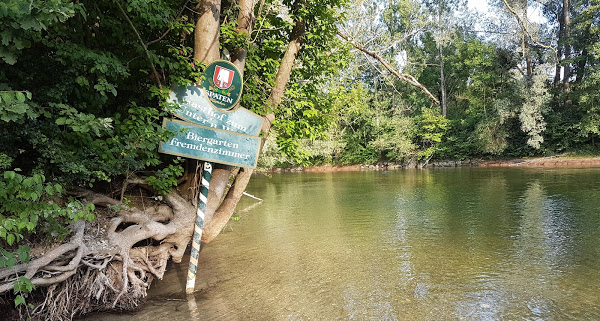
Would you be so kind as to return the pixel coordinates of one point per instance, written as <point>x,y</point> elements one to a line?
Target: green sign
<point>223,84</point>
<point>210,144</point>
<point>195,107</point>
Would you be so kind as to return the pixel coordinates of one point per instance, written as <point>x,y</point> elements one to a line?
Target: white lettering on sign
<point>211,142</point>
<point>209,112</point>
<point>220,97</point>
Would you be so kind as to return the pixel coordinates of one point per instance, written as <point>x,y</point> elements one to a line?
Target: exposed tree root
<point>109,271</point>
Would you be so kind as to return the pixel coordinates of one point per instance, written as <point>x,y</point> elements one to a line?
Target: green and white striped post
<point>202,197</point>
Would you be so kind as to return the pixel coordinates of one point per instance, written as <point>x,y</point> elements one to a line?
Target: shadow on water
<point>439,244</point>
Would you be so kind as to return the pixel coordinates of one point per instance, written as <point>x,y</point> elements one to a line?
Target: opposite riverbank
<point>552,161</point>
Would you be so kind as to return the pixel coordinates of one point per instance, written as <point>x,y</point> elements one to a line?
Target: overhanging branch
<point>137,34</point>
<point>526,30</point>
<point>404,77</point>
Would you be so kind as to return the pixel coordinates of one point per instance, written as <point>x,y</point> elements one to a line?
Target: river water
<point>433,244</point>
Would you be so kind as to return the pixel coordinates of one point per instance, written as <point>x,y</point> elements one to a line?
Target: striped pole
<point>191,279</point>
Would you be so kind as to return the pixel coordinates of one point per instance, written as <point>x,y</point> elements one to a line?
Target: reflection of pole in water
<point>193,307</point>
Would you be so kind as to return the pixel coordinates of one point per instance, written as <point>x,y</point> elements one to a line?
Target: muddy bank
<point>545,162</point>
<point>554,161</point>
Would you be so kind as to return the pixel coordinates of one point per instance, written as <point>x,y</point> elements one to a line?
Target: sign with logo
<point>210,144</point>
<point>223,84</point>
<point>195,107</point>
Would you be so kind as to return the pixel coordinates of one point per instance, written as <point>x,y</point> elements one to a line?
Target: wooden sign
<point>210,144</point>
<point>195,107</point>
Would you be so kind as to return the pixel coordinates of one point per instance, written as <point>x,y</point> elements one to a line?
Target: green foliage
<point>166,179</point>
<point>27,207</point>
<point>15,108</point>
<point>22,23</point>
<point>22,285</point>
<point>432,128</point>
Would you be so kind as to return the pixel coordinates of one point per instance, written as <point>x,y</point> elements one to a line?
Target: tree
<point>98,126</point>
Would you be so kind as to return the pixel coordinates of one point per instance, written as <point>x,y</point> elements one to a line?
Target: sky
<point>480,5</point>
<point>534,13</point>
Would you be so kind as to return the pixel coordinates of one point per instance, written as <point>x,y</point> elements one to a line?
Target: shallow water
<point>435,244</point>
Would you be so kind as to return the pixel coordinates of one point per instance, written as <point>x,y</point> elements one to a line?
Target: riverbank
<point>552,161</point>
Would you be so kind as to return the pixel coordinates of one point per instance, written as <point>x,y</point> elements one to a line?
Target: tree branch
<point>171,28</point>
<point>137,34</point>
<point>404,77</point>
<point>522,24</point>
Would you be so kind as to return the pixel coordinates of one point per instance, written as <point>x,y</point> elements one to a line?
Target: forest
<point>84,88</point>
<point>518,80</point>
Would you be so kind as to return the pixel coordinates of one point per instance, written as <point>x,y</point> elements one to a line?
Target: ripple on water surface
<point>444,244</point>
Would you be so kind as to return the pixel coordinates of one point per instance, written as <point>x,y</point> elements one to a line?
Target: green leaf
<point>23,253</point>
<point>10,175</point>
<point>8,57</point>
<point>10,238</point>
<point>7,97</point>
<point>20,96</point>
<point>19,300</point>
<point>23,284</point>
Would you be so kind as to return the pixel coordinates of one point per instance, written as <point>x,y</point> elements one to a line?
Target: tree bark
<point>245,22</point>
<point>566,19</point>
<point>285,69</point>
<point>442,77</point>
<point>525,43</point>
<point>206,34</point>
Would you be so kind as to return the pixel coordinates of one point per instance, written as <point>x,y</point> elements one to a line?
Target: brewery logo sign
<point>223,84</point>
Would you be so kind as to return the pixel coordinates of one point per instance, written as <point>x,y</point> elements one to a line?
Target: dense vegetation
<point>83,87</point>
<point>520,80</point>
<point>83,84</point>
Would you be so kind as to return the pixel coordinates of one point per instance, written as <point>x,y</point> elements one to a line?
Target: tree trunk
<point>525,43</point>
<point>557,72</point>
<point>206,34</point>
<point>581,66</point>
<point>285,69</point>
<point>245,22</point>
<point>441,52</point>
<point>225,210</point>
<point>566,18</point>
<point>559,50</point>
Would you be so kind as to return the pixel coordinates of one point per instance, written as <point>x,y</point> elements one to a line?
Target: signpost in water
<point>213,130</point>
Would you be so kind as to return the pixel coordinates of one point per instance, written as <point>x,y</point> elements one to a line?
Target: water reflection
<point>445,244</point>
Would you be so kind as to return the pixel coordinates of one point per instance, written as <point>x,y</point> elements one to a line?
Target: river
<point>433,244</point>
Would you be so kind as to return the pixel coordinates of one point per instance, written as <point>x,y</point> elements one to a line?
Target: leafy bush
<point>29,205</point>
